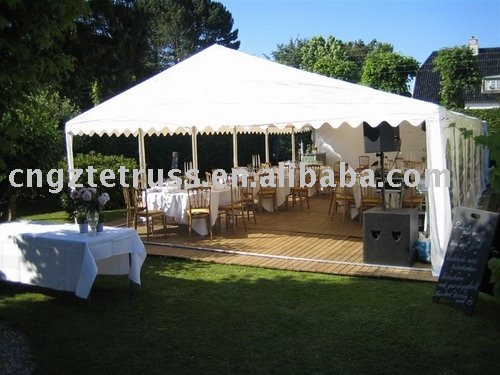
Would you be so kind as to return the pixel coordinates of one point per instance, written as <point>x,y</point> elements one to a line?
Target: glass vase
<point>93,220</point>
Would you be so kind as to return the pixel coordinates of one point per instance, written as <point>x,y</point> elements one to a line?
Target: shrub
<point>100,162</point>
<point>491,140</point>
<point>494,266</point>
<point>491,116</point>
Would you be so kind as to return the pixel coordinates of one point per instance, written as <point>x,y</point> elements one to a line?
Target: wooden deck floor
<point>291,240</point>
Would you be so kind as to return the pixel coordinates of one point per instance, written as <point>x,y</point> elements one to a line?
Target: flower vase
<point>100,227</point>
<point>93,220</point>
<point>84,227</point>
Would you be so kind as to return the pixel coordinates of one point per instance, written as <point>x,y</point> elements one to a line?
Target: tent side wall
<point>347,144</point>
<point>447,148</point>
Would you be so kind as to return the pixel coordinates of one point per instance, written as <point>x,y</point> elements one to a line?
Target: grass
<point>48,210</point>
<point>44,209</point>
<point>195,317</point>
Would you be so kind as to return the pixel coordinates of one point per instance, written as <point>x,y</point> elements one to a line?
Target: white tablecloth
<point>282,190</point>
<point>356,192</point>
<point>61,258</point>
<point>175,204</point>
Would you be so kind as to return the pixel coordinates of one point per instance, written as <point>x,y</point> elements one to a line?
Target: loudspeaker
<point>383,138</point>
<point>389,235</point>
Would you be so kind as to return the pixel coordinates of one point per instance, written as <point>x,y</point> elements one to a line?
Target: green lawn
<point>48,210</point>
<point>195,318</point>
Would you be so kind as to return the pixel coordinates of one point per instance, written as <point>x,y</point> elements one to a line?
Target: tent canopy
<point>220,88</point>
<point>223,90</point>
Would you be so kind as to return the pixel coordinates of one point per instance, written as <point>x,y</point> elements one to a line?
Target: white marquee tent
<point>223,90</point>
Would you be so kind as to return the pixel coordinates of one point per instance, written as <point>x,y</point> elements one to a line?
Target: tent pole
<point>267,145</point>
<point>382,173</point>
<point>194,148</point>
<point>142,159</point>
<point>293,144</point>
<point>69,155</point>
<point>235,147</point>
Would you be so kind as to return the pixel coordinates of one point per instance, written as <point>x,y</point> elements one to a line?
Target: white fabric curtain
<point>447,148</point>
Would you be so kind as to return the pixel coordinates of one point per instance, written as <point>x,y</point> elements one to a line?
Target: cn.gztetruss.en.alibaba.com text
<point>282,175</point>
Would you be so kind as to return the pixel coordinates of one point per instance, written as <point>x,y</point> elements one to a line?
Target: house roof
<point>427,81</point>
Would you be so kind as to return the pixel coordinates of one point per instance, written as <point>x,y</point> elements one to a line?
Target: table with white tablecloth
<point>175,203</point>
<point>58,256</point>
<point>282,190</point>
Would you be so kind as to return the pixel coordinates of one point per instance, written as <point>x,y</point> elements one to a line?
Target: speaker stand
<point>382,174</point>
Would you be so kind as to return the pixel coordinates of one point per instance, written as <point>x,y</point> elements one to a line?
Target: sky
<point>414,28</point>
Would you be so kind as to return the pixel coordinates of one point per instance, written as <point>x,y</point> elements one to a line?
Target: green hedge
<point>100,162</point>
<point>492,140</point>
<point>492,116</point>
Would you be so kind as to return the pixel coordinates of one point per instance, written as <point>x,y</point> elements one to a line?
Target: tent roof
<point>220,88</point>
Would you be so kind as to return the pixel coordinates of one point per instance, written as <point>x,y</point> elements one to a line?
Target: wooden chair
<point>287,168</point>
<point>336,167</point>
<point>388,165</point>
<point>370,197</point>
<point>235,209</point>
<point>399,163</point>
<point>267,192</point>
<point>298,192</point>
<point>317,170</point>
<point>129,206</point>
<point>364,163</point>
<point>411,198</point>
<point>214,175</point>
<point>208,176</point>
<point>342,197</point>
<point>248,199</point>
<point>333,192</point>
<point>199,206</point>
<point>420,167</point>
<point>141,210</point>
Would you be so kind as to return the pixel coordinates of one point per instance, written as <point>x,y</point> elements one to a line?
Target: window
<point>491,85</point>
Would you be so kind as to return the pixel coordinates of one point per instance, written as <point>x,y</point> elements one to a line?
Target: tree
<point>122,42</point>
<point>31,32</point>
<point>181,28</point>
<point>491,140</point>
<point>111,51</point>
<point>31,57</point>
<point>358,50</point>
<point>389,71</point>
<point>331,57</point>
<point>290,54</point>
<point>39,143</point>
<point>458,70</point>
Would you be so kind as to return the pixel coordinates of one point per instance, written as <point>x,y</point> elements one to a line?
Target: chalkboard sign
<point>466,257</point>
